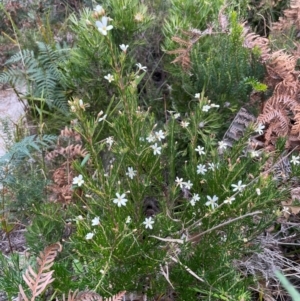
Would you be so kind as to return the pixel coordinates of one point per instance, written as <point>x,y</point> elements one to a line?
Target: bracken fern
<point>40,72</point>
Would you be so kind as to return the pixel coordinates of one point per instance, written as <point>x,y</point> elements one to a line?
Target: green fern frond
<point>42,74</point>
<point>22,55</point>
<point>22,149</point>
<point>12,76</point>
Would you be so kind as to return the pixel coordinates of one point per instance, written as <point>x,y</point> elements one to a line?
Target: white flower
<point>224,238</point>
<point>286,210</point>
<point>184,124</point>
<point>102,118</point>
<point>131,173</point>
<point>212,105</point>
<point>295,160</point>
<point>222,145</point>
<point>212,201</point>
<point>206,108</point>
<point>259,129</point>
<point>139,17</point>
<point>179,182</point>
<point>100,114</point>
<point>148,222</point>
<point>120,200</point>
<point>99,9</point>
<point>201,124</point>
<point>124,47</point>
<point>188,185</point>
<point>197,95</point>
<point>109,77</point>
<point>151,138</point>
<point>254,154</point>
<point>160,135</point>
<point>229,200</point>
<point>79,218</point>
<point>96,221</point>
<point>192,202</point>
<point>212,166</point>
<point>143,68</point>
<point>110,141</point>
<point>258,191</point>
<point>238,187</point>
<point>196,197</point>
<point>201,169</point>
<point>80,102</point>
<point>200,150</point>
<point>156,149</point>
<point>89,236</point>
<point>128,220</point>
<point>102,26</point>
<point>176,115</point>
<point>78,180</point>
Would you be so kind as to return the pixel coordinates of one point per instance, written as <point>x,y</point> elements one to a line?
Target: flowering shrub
<point>205,208</point>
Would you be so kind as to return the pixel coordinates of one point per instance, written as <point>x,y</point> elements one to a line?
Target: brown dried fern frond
<point>282,25</point>
<point>63,175</point>
<point>280,101</point>
<point>281,112</point>
<point>223,19</point>
<point>177,51</point>
<point>182,42</point>
<point>252,40</point>
<point>92,296</point>
<point>296,126</point>
<point>270,138</point>
<point>38,281</point>
<point>70,133</point>
<point>287,102</point>
<point>71,152</point>
<point>62,157</point>
<point>183,58</point>
<point>272,118</point>
<point>288,87</point>
<point>117,297</point>
<point>61,189</point>
<point>281,67</point>
<point>282,63</point>
<point>293,13</point>
<point>295,4</point>
<point>296,51</point>
<point>291,17</point>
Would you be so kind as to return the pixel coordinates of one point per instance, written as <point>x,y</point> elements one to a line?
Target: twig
<point>187,269</point>
<point>286,243</point>
<point>166,274</point>
<point>179,241</point>
<point>223,224</point>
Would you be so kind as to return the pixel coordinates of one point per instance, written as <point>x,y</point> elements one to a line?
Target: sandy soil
<point>11,109</point>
